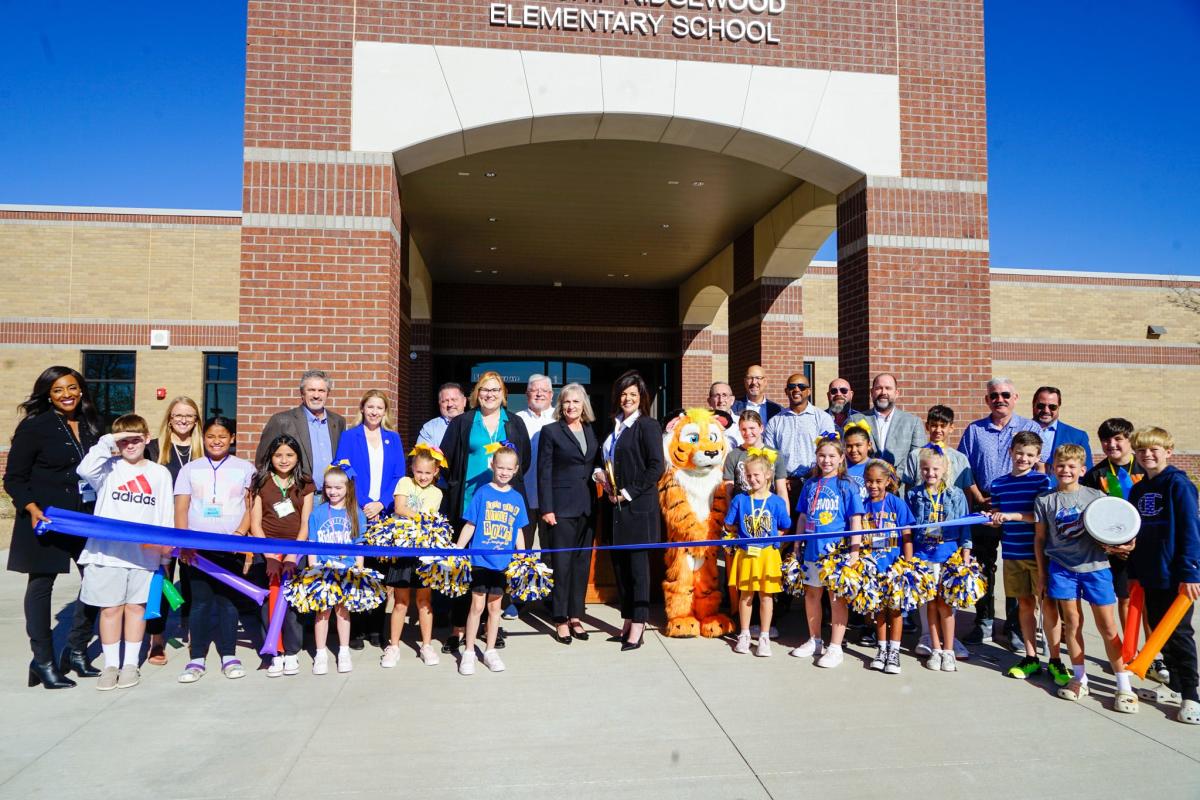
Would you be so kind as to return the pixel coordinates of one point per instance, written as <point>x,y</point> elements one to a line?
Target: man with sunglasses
<point>841,402</point>
<point>756,396</point>
<point>793,432</point>
<point>987,444</point>
<point>1047,402</point>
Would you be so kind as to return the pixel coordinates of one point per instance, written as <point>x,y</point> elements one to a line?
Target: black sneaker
<point>357,643</point>
<point>867,639</point>
<point>451,645</point>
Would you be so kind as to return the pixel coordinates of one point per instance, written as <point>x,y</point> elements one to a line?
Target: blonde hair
<point>836,444</point>
<point>929,454</point>
<point>1152,437</point>
<point>490,374</point>
<point>164,431</point>
<point>761,462</point>
<point>1071,452</point>
<point>587,415</point>
<point>387,423</point>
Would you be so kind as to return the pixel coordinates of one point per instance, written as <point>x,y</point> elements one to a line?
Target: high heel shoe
<point>48,676</point>
<point>632,645</point>
<point>76,661</point>
<point>558,637</point>
<point>580,634</point>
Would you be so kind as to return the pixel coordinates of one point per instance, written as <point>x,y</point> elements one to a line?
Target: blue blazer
<point>1066,434</point>
<point>353,446</point>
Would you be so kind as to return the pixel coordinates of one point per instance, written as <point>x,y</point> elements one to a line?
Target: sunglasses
<point>997,395</point>
<point>1047,406</point>
<point>801,386</point>
<point>840,390</point>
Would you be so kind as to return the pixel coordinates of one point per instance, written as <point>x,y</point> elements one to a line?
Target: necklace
<point>184,455</point>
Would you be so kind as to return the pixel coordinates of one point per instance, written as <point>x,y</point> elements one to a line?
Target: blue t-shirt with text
<point>828,504</point>
<point>753,518</point>
<point>496,516</point>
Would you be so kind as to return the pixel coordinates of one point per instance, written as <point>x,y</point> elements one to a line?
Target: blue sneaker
<point>510,612</point>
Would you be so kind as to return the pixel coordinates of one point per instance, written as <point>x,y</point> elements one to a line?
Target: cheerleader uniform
<point>936,545</point>
<point>827,505</point>
<point>890,512</point>
<point>401,573</point>
<point>757,568</point>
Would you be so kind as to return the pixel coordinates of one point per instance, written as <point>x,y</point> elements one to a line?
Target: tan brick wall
<point>180,372</point>
<point>1094,313</point>
<point>820,305</point>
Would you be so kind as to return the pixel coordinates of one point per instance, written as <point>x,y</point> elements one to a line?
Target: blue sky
<point>1092,116</point>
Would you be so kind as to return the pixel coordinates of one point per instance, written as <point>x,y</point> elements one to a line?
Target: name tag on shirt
<point>753,551</point>
<point>284,508</point>
<point>211,510</point>
<point>86,492</point>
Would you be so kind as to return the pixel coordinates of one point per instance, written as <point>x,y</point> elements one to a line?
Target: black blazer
<point>41,469</point>
<point>455,447</point>
<point>638,462</point>
<point>565,471</point>
<point>294,422</point>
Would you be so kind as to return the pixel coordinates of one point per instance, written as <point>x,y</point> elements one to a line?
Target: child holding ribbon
<point>757,568</point>
<point>828,502</point>
<point>415,496</point>
<point>497,513</point>
<point>932,502</point>
<point>884,509</point>
<point>339,520</point>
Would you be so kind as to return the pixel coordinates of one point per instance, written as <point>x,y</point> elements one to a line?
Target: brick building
<point>574,188</point>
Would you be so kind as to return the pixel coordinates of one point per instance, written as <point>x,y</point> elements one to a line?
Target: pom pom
<point>320,588</point>
<point>450,575</point>
<point>793,577</point>
<point>908,585</point>
<point>362,589</point>
<point>528,578</point>
<point>962,584</point>
<point>382,533</point>
<point>857,583</point>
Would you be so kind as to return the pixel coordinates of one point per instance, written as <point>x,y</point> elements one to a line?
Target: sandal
<point>1189,712</point>
<point>1073,691</point>
<point>158,655</point>
<point>1125,703</point>
<point>193,672</point>
<point>233,669</point>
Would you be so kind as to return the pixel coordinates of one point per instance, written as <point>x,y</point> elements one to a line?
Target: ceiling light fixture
<point>495,272</point>
<point>478,271</point>
<point>493,248</point>
<point>491,219</point>
<point>489,174</point>
<point>464,174</point>
<point>558,284</point>
<point>645,253</point>
<point>672,183</point>
<point>697,184</point>
<point>626,275</point>
<point>612,275</point>
<point>665,226</point>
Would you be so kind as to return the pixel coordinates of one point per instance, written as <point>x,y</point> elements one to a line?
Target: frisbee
<point>1111,520</point>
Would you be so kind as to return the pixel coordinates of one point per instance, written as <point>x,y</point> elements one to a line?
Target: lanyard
<point>67,430</point>
<point>875,515</point>
<point>936,512</point>
<point>816,496</point>
<point>283,486</point>
<point>758,517</point>
<point>215,467</point>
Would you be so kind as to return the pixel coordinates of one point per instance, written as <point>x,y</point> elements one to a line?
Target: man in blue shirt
<point>987,444</point>
<point>1047,404</point>
<point>452,401</point>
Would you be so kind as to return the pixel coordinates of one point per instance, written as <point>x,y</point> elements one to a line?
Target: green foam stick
<point>174,598</point>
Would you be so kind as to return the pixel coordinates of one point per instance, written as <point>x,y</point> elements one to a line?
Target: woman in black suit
<point>59,427</point>
<point>632,456</point>
<point>566,454</point>
<point>486,421</point>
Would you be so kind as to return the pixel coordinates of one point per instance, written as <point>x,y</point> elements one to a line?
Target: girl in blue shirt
<point>829,502</point>
<point>856,438</point>
<point>884,509</point>
<point>932,502</point>
<point>338,520</point>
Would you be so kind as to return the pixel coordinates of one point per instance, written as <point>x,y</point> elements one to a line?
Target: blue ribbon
<point>74,523</point>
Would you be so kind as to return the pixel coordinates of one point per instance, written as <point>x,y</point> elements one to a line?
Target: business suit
<point>294,422</point>
<point>1069,434</point>
<point>41,470</point>
<point>769,407</point>
<point>905,434</point>
<point>565,490</point>
<point>352,446</point>
<point>638,463</point>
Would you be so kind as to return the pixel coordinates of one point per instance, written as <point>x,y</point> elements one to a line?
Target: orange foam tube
<point>1133,622</point>
<point>1158,637</point>
<point>271,596</point>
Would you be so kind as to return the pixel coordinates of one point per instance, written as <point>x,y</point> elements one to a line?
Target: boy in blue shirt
<point>1012,503</point>
<point>497,514</point>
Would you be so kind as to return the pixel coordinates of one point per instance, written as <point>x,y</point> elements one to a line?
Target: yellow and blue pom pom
<point>793,577</point>
<point>383,533</point>
<point>962,584</point>
<point>908,585</point>
<point>450,575</point>
<point>362,588</point>
<point>529,578</point>
<point>857,583</point>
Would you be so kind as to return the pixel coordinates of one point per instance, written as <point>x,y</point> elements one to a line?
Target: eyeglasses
<point>801,386</point>
<point>491,390</point>
<point>184,417</point>
<point>1047,406</point>
<point>839,390</point>
<point>753,378</point>
<point>997,395</point>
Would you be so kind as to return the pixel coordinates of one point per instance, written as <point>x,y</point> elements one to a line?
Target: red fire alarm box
<point>160,393</point>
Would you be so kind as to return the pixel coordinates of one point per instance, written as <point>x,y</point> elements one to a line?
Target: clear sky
<point>1093,120</point>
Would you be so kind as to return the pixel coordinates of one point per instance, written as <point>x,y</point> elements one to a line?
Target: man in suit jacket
<point>1047,404</point>
<point>894,433</point>
<point>756,396</point>
<point>316,428</point>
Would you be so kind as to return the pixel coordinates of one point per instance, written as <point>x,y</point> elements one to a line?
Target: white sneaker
<point>763,650</point>
<point>879,660</point>
<point>923,648</point>
<point>344,664</point>
<point>892,665</point>
<point>961,651</point>
<point>934,662</point>
<point>291,665</point>
<point>466,664</point>
<point>390,657</point>
<point>813,647</point>
<point>743,643</point>
<point>492,660</point>
<point>429,656</point>
<point>832,658</point>
<point>276,668</point>
<point>948,664</point>
<point>321,662</point>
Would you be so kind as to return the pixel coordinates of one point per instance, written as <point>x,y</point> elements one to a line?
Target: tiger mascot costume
<point>692,495</point>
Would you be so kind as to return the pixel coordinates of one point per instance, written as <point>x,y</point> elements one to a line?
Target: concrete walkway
<point>676,719</point>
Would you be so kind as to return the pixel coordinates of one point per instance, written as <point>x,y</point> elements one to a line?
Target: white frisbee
<point>1111,520</point>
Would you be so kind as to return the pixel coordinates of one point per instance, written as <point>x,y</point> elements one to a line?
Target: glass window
<point>220,385</point>
<point>111,379</point>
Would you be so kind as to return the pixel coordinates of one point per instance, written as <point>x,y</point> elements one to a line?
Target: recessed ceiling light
<point>626,275</point>
<point>645,253</point>
<point>665,226</point>
<point>464,174</point>
<point>612,275</point>
<point>478,271</point>
<point>493,248</point>
<point>489,174</point>
<point>558,283</point>
<point>672,183</point>
<point>697,184</point>
<point>491,219</point>
<point>495,272</point>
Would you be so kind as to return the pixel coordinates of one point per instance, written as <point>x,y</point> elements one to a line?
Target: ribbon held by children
<point>154,599</point>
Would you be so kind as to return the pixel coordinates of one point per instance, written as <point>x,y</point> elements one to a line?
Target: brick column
<point>766,323</point>
<point>695,365</point>
<point>421,401</point>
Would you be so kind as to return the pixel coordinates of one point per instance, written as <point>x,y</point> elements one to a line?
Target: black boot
<point>77,661</point>
<point>48,675</point>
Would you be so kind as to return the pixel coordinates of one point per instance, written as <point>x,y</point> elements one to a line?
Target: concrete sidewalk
<point>675,719</point>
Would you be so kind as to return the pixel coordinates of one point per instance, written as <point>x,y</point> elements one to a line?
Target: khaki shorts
<point>1020,577</point>
<point>108,587</point>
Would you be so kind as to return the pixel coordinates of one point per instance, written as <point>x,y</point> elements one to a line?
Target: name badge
<point>211,510</point>
<point>810,525</point>
<point>753,551</point>
<point>86,492</point>
<point>284,508</point>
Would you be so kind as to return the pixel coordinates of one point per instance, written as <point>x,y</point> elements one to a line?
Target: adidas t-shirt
<point>129,493</point>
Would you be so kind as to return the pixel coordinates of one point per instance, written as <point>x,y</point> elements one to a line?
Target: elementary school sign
<point>589,16</point>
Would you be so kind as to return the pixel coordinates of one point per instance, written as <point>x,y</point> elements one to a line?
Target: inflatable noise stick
<point>174,598</point>
<point>1133,622</point>
<point>1158,637</point>
<point>272,641</point>
<point>154,600</point>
